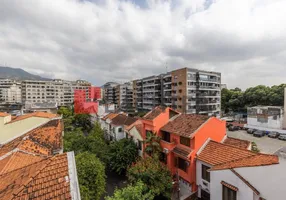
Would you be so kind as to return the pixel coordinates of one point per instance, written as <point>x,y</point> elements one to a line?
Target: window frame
<point>182,138</point>
<point>228,194</point>
<point>205,173</point>
<point>166,135</point>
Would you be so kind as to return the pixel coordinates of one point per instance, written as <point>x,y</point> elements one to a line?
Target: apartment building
<point>187,90</point>
<point>109,92</point>
<point>124,96</point>
<point>10,91</point>
<point>57,90</point>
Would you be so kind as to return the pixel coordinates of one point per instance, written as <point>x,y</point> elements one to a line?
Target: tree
<point>132,192</point>
<point>91,176</point>
<point>65,111</point>
<point>121,155</point>
<point>153,174</point>
<point>153,146</point>
<point>74,141</point>
<point>83,121</point>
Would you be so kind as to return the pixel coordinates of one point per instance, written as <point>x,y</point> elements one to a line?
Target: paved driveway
<point>265,144</point>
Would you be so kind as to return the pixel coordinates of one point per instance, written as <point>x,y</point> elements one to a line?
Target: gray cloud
<point>116,40</point>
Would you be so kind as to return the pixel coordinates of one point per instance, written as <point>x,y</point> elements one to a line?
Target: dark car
<point>233,128</point>
<point>259,133</point>
<point>273,134</point>
<point>282,137</point>
<point>251,131</point>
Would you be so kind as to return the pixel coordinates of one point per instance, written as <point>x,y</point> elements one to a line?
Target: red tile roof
<point>154,113</point>
<point>34,114</point>
<point>46,179</point>
<point>229,186</point>
<point>2,114</point>
<point>123,120</point>
<point>184,152</point>
<point>109,116</point>
<point>223,156</point>
<point>18,160</point>
<point>42,140</point>
<point>185,124</point>
<point>244,144</point>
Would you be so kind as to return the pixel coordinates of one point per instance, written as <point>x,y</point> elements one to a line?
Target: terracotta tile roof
<point>123,120</point>
<point>42,140</point>
<point>223,156</point>
<point>154,113</point>
<point>35,114</point>
<point>46,179</point>
<point>182,152</point>
<point>185,124</point>
<point>244,144</point>
<point>139,128</point>
<point>229,186</point>
<point>18,160</point>
<point>109,116</point>
<point>2,114</point>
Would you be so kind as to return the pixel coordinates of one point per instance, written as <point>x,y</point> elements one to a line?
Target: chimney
<point>284,109</point>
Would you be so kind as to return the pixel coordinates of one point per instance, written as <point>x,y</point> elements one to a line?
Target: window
<point>139,145</point>
<point>228,194</point>
<point>205,173</point>
<point>166,136</point>
<point>119,130</point>
<point>185,141</point>
<point>163,157</point>
<point>181,163</point>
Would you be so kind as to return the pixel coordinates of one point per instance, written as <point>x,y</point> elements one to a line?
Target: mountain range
<point>18,74</point>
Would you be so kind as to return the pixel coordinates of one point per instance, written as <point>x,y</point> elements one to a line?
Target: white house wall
<point>272,123</point>
<point>200,181</point>
<point>244,192</point>
<point>136,137</point>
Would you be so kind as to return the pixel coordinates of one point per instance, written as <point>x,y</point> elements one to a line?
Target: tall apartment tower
<point>56,91</point>
<point>188,90</point>
<point>124,96</point>
<point>10,91</point>
<point>196,91</point>
<point>110,92</point>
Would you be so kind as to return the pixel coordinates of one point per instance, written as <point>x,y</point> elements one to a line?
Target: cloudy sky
<point>120,40</point>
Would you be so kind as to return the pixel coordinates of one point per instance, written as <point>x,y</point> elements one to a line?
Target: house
<point>105,124</point>
<point>182,137</point>
<point>13,127</point>
<point>135,131</point>
<point>32,166</point>
<point>268,118</point>
<point>117,126</point>
<point>229,172</point>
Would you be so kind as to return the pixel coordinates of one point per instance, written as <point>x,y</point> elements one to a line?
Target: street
<point>264,144</point>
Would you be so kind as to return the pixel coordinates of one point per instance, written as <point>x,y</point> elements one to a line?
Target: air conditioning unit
<point>165,150</point>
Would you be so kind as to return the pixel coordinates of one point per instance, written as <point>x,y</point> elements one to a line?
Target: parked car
<point>258,133</point>
<point>251,131</point>
<point>233,128</point>
<point>282,137</point>
<point>273,134</point>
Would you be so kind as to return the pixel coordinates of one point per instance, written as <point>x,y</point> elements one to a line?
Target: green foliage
<point>83,121</point>
<point>91,176</point>
<point>153,146</point>
<point>153,174</point>
<point>65,111</point>
<point>237,100</point>
<point>74,141</point>
<point>121,155</point>
<point>254,147</point>
<point>137,191</point>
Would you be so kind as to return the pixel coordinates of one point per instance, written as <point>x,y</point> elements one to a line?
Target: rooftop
<point>185,124</point>
<point>109,116</point>
<point>35,114</point>
<point>223,156</point>
<point>154,113</point>
<point>2,114</point>
<point>46,179</point>
<point>244,144</point>
<point>42,140</point>
<point>123,120</point>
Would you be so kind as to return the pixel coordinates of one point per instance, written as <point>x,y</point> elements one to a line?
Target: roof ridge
<point>234,160</point>
<point>237,139</point>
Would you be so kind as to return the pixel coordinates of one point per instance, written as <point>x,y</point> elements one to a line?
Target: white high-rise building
<point>10,91</point>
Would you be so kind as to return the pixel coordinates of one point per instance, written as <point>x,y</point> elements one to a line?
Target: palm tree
<point>153,146</point>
